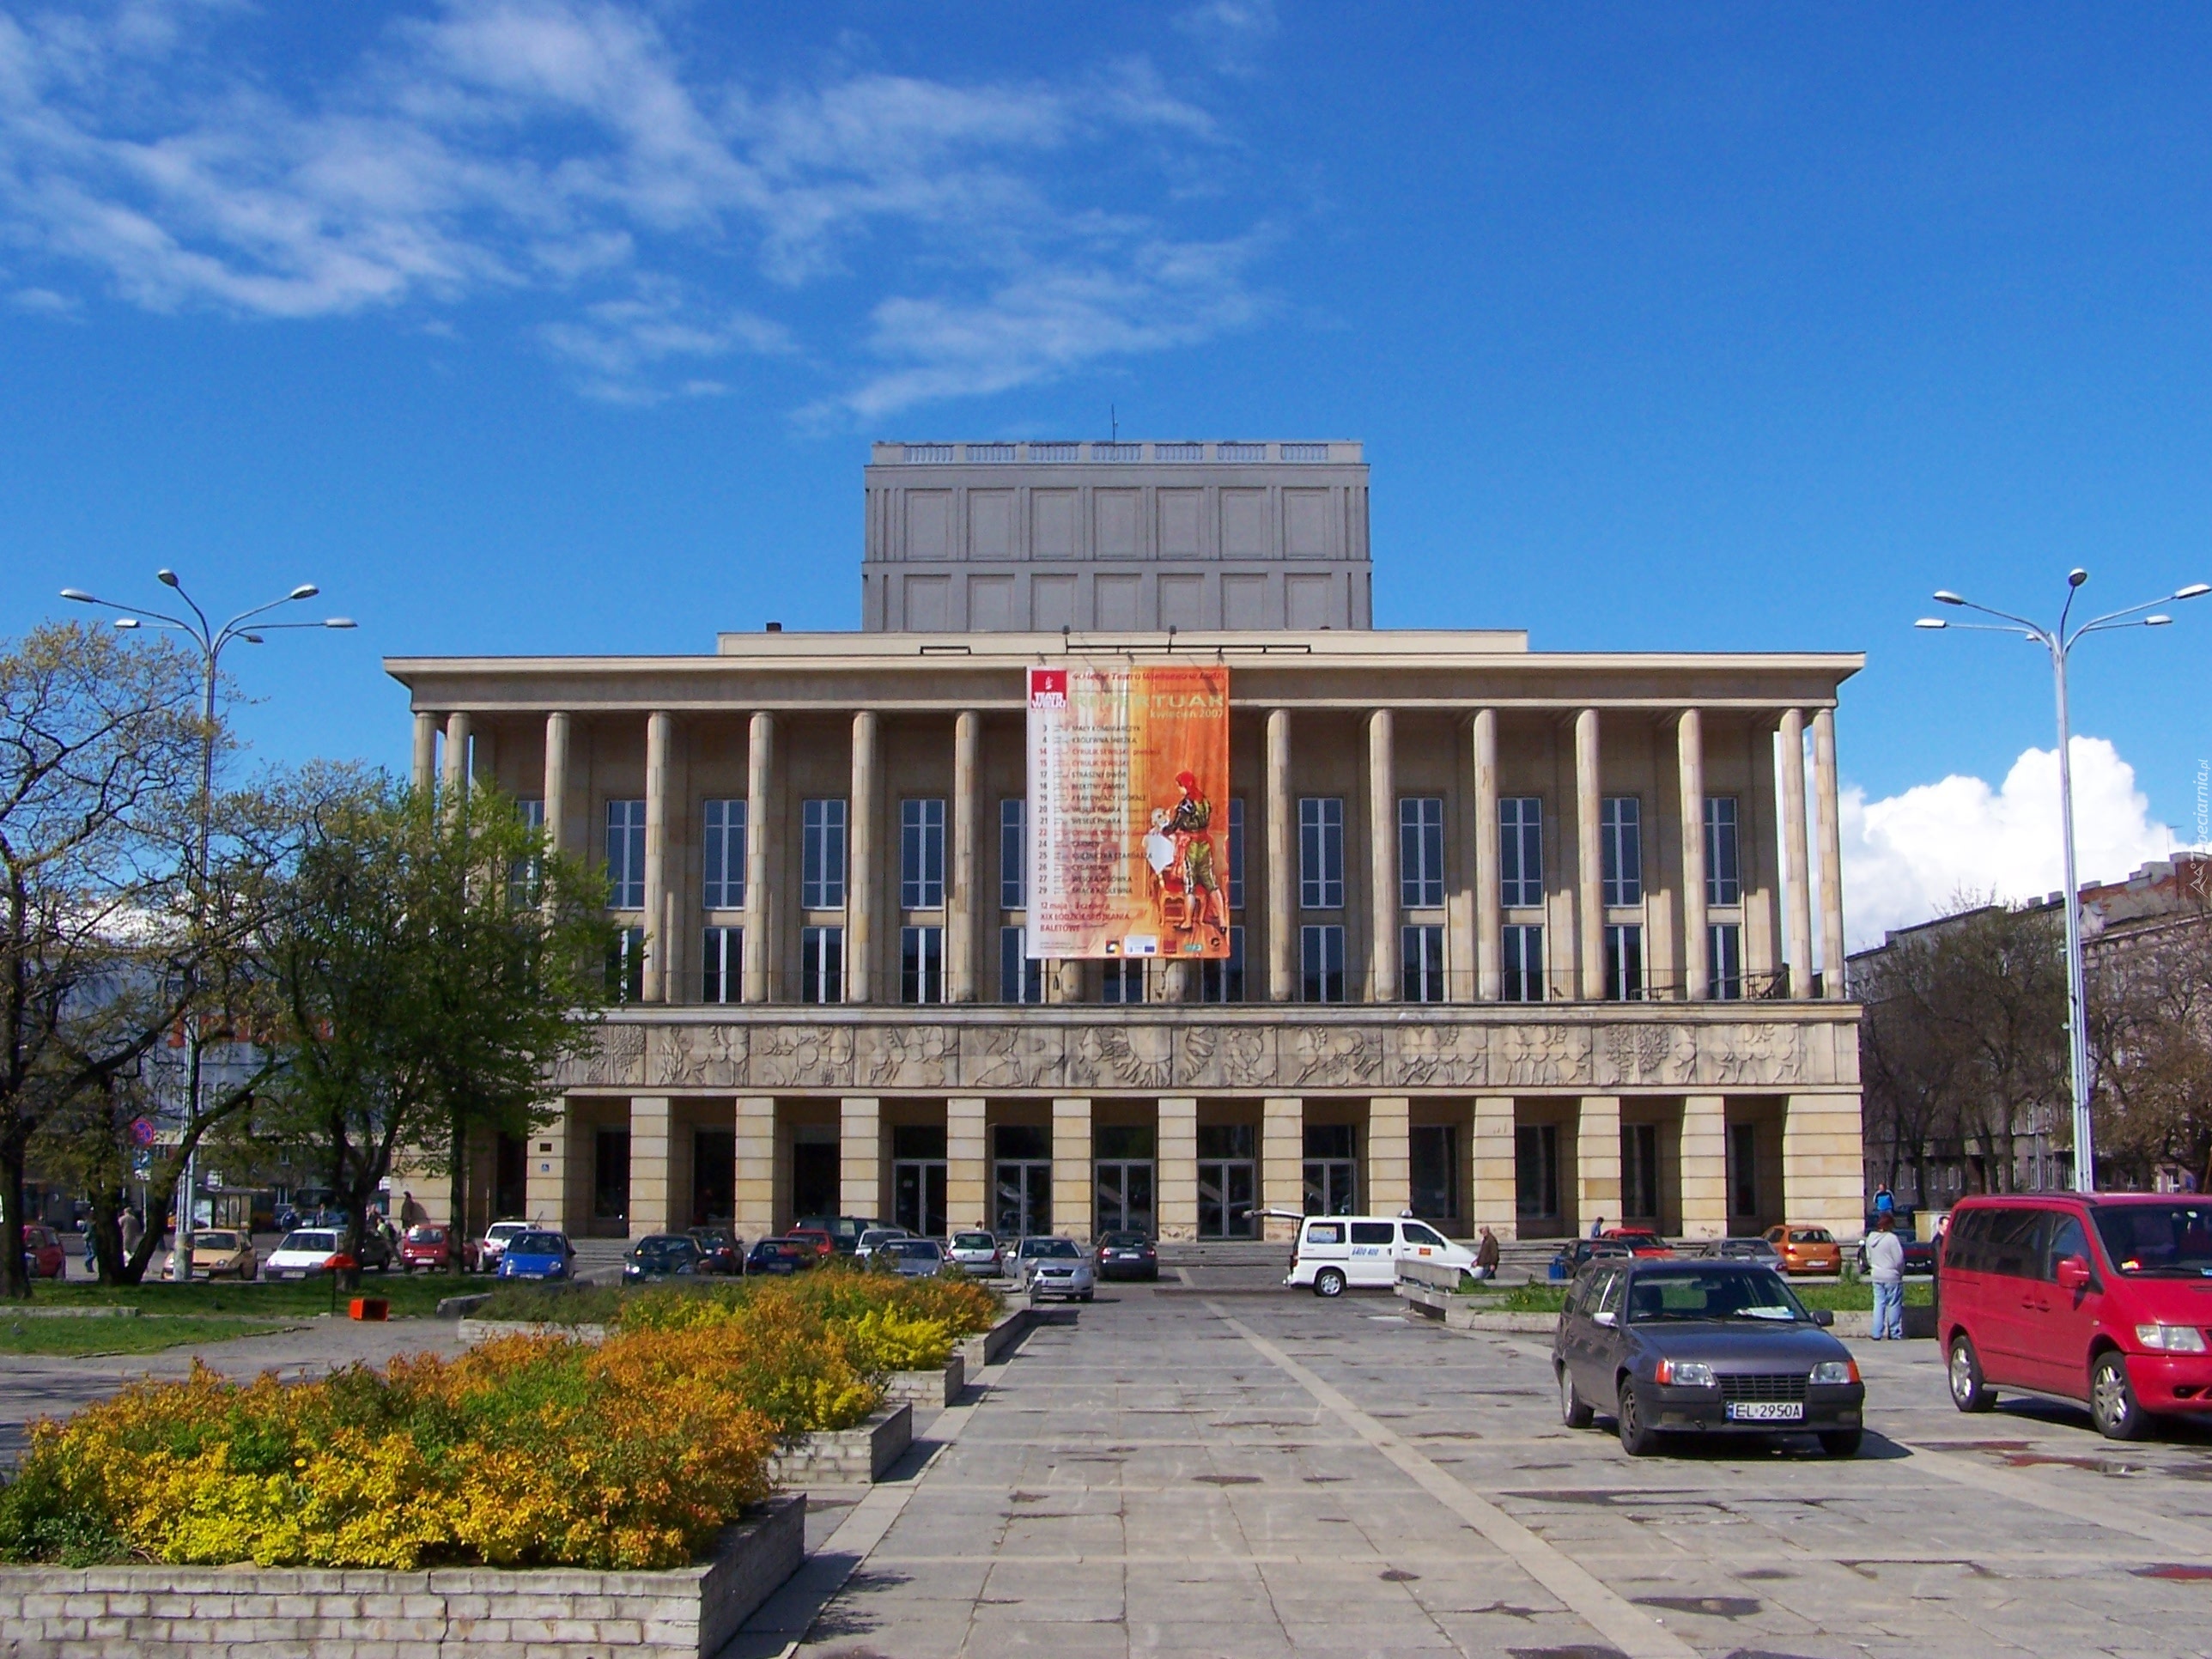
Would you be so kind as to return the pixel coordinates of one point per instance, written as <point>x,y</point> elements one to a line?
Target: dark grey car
<point>1705,1346</point>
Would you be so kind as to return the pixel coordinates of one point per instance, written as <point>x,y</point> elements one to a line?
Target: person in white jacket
<point>1885,1259</point>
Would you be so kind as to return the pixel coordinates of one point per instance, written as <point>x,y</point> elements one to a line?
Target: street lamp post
<point>209,640</point>
<point>2059,642</point>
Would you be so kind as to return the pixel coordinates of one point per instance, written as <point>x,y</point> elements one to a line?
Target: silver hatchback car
<point>976,1251</point>
<point>1054,1266</point>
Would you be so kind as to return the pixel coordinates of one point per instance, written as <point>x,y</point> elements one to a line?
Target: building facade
<point>1520,939</point>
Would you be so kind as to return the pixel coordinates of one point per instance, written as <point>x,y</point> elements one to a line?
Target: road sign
<point>142,1132</point>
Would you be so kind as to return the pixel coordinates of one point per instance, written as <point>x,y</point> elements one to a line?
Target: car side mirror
<point>1602,1318</point>
<point>1823,1318</point>
<point>2072,1273</point>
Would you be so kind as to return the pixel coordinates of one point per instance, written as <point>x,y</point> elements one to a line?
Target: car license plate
<point>1766,1411</point>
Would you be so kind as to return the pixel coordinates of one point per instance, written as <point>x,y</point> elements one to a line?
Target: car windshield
<point>916,1249</point>
<point>1051,1247</point>
<point>324,1242</point>
<point>1811,1235</point>
<point>974,1242</point>
<point>503,1231</point>
<point>1122,1241</point>
<point>661,1247</point>
<point>1710,1293</point>
<point>536,1244</point>
<point>210,1240</point>
<point>426,1235</point>
<point>2158,1239</point>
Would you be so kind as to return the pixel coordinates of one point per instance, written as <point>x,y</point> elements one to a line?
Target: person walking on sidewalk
<point>1485,1255</point>
<point>1885,1258</point>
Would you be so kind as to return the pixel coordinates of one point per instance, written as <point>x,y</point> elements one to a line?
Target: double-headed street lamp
<point>209,640</point>
<point>2059,642</point>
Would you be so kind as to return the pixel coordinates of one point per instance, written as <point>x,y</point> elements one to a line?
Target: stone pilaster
<point>1282,864</point>
<point>1382,859</point>
<point>1690,765</point>
<point>1832,854</point>
<point>556,780</point>
<point>425,777</point>
<point>861,899</point>
<point>659,947</point>
<point>1590,861</point>
<point>1704,1166</point>
<point>967,1163</point>
<point>755,1216</point>
<point>649,1206</point>
<point>1176,1175</point>
<point>859,1156</point>
<point>1796,893</point>
<point>962,904</point>
<point>545,1175</point>
<point>762,848</point>
<point>1072,1193</point>
<point>1489,917</point>
<point>1389,1154</point>
<point>1495,1188</point>
<point>459,727</point>
<point>1597,1161</point>
<point>1823,1162</point>
<point>1282,1161</point>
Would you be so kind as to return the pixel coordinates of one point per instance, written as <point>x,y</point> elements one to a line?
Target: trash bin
<point>369,1308</point>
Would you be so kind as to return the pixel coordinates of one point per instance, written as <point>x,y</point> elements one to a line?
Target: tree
<point>2150,1038</point>
<point>436,962</point>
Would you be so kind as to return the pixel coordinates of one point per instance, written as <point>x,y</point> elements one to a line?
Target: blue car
<point>537,1255</point>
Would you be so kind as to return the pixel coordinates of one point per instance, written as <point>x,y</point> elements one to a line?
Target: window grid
<point>921,854</point>
<point>722,965</point>
<point>1723,871</point>
<point>1421,972</point>
<point>1013,853</point>
<point>1421,852</point>
<point>1123,980</point>
<point>526,879</point>
<point>1724,961</point>
<point>626,854</point>
<point>1521,852</point>
<point>822,858</point>
<point>1237,852</point>
<point>1021,976</point>
<point>1623,961</point>
<point>1321,852</point>
<point>921,965</point>
<point>1320,963</point>
<point>822,964</point>
<point>1221,979</point>
<point>1524,951</point>
<point>1621,840</point>
<point>626,965</point>
<point>723,884</point>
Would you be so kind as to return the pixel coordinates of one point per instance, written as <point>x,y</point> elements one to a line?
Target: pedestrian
<point>1485,1255</point>
<point>132,1229</point>
<point>411,1213</point>
<point>1885,1256</point>
<point>1884,1201</point>
<point>1597,1228</point>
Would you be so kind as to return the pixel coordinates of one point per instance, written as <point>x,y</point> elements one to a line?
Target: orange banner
<point>1128,833</point>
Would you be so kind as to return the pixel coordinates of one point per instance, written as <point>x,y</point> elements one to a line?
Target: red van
<point>2100,1297</point>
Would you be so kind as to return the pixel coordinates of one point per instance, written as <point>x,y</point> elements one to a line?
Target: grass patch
<point>99,1336</point>
<point>1837,1297</point>
<point>410,1295</point>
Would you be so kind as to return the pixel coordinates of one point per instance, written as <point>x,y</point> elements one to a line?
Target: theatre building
<point>1515,939</point>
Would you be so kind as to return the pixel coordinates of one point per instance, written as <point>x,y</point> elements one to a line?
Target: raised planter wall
<point>927,1389</point>
<point>991,1346</point>
<point>482,1612</point>
<point>846,1457</point>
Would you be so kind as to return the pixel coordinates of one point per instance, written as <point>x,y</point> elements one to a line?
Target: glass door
<point>1022,1187</point>
<point>1332,1169</point>
<point>1125,1196</point>
<point>918,1196</point>
<point>1225,1190</point>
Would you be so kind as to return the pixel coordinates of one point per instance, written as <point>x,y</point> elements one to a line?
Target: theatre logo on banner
<point>1128,782</point>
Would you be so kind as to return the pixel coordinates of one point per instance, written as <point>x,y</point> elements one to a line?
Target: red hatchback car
<point>2100,1297</point>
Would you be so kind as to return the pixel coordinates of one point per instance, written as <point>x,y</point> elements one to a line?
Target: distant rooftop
<point>1117,453</point>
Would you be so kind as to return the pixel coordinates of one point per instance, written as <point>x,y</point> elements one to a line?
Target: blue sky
<point>561,326</point>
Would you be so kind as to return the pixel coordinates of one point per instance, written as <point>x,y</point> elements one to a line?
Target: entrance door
<point>1331,1187</point>
<point>1225,1190</point>
<point>918,1196</point>
<point>1023,1192</point>
<point>1125,1196</point>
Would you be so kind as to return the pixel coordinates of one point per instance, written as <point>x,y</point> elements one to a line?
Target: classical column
<point>1590,862</point>
<point>1175,1176</point>
<point>1704,1166</point>
<point>1597,1161</point>
<point>659,948</point>
<point>545,1175</point>
<point>1690,760</point>
<point>426,752</point>
<point>861,898</point>
<point>760,848</point>
<point>1282,864</point>
<point>1389,1154</point>
<point>456,779</point>
<point>754,1214</point>
<point>1282,1161</point>
<point>1489,919</point>
<point>1382,859</point>
<point>556,780</point>
<point>1797,893</point>
<point>1832,855</point>
<point>859,1156</point>
<point>1071,1168</point>
<point>961,903</point>
<point>1497,1184</point>
<point>967,1163</point>
<point>649,1207</point>
<point>1823,1162</point>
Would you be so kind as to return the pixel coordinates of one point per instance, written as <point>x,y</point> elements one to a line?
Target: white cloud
<point>1907,856</point>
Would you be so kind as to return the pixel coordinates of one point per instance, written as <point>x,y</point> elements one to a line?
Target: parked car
<point>1701,1346</point>
<point>844,1231</point>
<point>2097,1298</point>
<point>874,1238</point>
<point>305,1253</point>
<point>1333,1252</point>
<point>1919,1257</point>
<point>537,1253</point>
<point>977,1252</point>
<point>43,1255</point>
<point>1805,1249</point>
<point>1640,1240</point>
<point>660,1255</point>
<point>780,1255</point>
<point>817,1239</point>
<point>1127,1255</point>
<point>912,1258</point>
<point>1576,1253</point>
<point>720,1252</point>
<point>1054,1266</point>
<point>1745,1250</point>
<point>489,1248</point>
<point>427,1245</point>
<point>218,1253</point>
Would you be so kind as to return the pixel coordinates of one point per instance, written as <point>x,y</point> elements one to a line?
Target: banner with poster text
<point>1128,831</point>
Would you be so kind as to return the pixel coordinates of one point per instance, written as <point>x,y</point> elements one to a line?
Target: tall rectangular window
<point>1123,980</point>
<point>525,881</point>
<point>722,886</point>
<point>1237,852</point>
<point>1743,1169</point>
<point>1321,852</point>
<point>1021,976</point>
<point>1421,852</point>
<point>626,965</point>
<point>1013,853</point>
<point>1320,963</point>
<point>1723,873</point>
<point>1221,979</point>
<point>1521,852</point>
<point>1639,1172</point>
<point>722,965</point>
<point>921,965</point>
<point>1536,1170</point>
<point>1623,961</point>
<point>1432,1164</point>
<point>1620,839</point>
<point>822,855</point>
<point>822,964</point>
<point>626,854</point>
<point>1524,963</point>
<point>1724,961</point>
<point>921,854</point>
<point>1421,971</point>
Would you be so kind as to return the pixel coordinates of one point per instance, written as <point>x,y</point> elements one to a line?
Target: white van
<point>1333,1251</point>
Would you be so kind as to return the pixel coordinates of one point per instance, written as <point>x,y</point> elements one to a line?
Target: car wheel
<point>1842,1442</point>
<point>1328,1282</point>
<point>1969,1393</point>
<point>1574,1411</point>
<point>1086,1295</point>
<point>2119,1415</point>
<point>1637,1437</point>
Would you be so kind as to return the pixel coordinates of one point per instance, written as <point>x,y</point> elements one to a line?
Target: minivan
<point>1335,1251</point>
<point>2100,1297</point>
